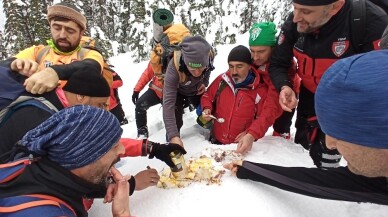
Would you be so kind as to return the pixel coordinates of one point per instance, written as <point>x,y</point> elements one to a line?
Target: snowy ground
<point>233,197</point>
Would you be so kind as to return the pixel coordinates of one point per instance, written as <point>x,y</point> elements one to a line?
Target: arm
<point>170,90</point>
<point>208,97</point>
<point>144,79</point>
<point>376,23</point>
<point>335,184</point>
<point>117,82</point>
<point>65,71</point>
<point>281,58</point>
<point>266,112</point>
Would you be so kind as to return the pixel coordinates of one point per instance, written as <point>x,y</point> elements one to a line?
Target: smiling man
<point>47,66</point>
<point>357,128</point>
<point>317,34</point>
<point>73,153</point>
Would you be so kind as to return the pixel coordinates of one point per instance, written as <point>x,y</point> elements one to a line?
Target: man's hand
<point>240,136</point>
<point>287,99</point>
<point>233,167</point>
<point>162,151</point>
<point>42,81</point>
<point>201,89</point>
<point>146,178</point>
<point>176,140</point>
<point>206,114</point>
<point>25,67</point>
<point>135,96</point>
<point>120,205</point>
<point>245,144</point>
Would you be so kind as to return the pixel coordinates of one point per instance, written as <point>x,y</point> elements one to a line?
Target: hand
<point>25,67</point>
<point>135,96</point>
<point>245,144</point>
<point>120,205</point>
<point>287,99</point>
<point>146,178</point>
<point>42,81</point>
<point>176,140</point>
<point>233,167</point>
<point>162,152</point>
<point>201,89</point>
<point>240,136</point>
<point>206,114</point>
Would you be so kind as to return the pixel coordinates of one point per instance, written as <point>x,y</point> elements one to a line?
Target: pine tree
<point>138,37</point>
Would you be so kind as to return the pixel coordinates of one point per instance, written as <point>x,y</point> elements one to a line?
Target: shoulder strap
<point>9,171</point>
<point>177,57</point>
<point>42,53</point>
<point>23,101</point>
<point>221,87</point>
<point>357,23</point>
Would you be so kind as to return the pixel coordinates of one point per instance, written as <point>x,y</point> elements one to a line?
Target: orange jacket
<point>145,78</point>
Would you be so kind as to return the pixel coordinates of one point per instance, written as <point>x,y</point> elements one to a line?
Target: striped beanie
<point>350,100</point>
<point>74,137</point>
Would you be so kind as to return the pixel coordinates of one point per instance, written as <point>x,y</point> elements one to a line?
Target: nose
<point>297,17</point>
<point>62,33</point>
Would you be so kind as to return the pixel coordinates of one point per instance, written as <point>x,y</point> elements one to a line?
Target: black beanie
<point>314,2</point>
<point>241,54</point>
<point>87,84</point>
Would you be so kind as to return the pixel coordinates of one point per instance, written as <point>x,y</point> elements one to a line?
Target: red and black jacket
<point>317,51</point>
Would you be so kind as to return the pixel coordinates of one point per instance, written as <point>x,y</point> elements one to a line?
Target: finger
<point>19,65</point>
<point>42,90</point>
<point>285,108</point>
<point>117,176</point>
<point>109,193</point>
<point>228,166</point>
<point>29,84</point>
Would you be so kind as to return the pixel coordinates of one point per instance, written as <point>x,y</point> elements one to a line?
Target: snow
<point>234,197</point>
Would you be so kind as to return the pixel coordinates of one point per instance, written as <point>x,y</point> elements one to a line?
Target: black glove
<point>306,131</point>
<point>135,96</point>
<point>162,151</point>
<point>321,155</point>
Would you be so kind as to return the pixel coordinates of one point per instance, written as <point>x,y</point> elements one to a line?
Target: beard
<point>64,48</point>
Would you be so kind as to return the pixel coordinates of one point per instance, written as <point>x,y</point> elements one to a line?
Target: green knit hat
<point>262,34</point>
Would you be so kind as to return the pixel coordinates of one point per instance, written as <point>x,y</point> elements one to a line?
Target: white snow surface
<point>234,197</point>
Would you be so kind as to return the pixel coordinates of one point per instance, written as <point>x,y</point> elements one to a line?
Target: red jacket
<point>113,99</point>
<point>145,78</point>
<point>252,109</point>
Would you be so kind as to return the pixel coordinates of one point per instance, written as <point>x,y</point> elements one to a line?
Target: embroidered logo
<point>195,65</point>
<point>255,33</point>
<point>340,47</point>
<point>47,63</point>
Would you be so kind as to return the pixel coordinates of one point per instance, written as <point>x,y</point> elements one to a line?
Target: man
<point>356,128</point>
<point>262,40</point>
<point>77,147</point>
<point>67,25</point>
<point>151,97</point>
<point>243,99</point>
<point>186,79</point>
<point>317,34</point>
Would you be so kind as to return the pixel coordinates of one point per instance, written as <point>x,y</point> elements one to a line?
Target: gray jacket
<point>170,90</point>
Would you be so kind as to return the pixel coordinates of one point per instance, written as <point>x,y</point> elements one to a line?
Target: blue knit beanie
<point>351,100</point>
<point>75,136</point>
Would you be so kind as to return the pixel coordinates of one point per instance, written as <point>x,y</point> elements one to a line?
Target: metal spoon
<point>219,120</point>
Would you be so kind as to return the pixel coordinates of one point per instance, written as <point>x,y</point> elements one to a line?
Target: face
<point>66,35</point>
<point>260,54</point>
<point>362,160</point>
<point>311,18</point>
<point>98,171</point>
<point>238,71</point>
<point>196,72</point>
<point>76,99</point>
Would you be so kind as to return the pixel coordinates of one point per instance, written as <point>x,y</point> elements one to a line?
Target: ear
<point>336,6</point>
<point>80,98</point>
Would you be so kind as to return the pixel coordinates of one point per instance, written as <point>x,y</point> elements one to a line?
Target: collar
<point>51,43</point>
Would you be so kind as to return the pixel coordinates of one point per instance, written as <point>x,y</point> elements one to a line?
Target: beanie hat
<point>384,39</point>
<point>262,34</point>
<point>195,51</point>
<point>87,83</point>
<point>314,2</point>
<point>240,54</point>
<point>74,137</point>
<point>67,11</point>
<point>350,100</point>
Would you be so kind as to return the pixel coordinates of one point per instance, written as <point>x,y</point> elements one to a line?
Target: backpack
<point>29,205</point>
<point>358,20</point>
<point>163,51</point>
<point>11,99</point>
<point>87,44</point>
